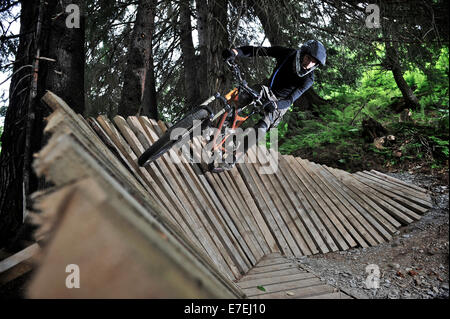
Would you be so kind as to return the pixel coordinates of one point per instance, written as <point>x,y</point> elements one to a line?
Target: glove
<point>270,106</point>
<point>228,55</point>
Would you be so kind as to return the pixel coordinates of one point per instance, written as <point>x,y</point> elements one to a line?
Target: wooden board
<point>293,223</point>
<point>18,264</point>
<point>118,255</point>
<point>353,215</point>
<point>345,229</point>
<point>222,243</point>
<point>284,280</point>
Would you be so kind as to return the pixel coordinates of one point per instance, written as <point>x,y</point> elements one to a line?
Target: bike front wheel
<point>164,143</point>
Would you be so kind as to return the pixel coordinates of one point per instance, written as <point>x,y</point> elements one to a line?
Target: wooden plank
<point>168,173</point>
<point>192,226</point>
<point>401,203</point>
<point>267,242</point>
<point>194,178</point>
<point>289,185</point>
<point>162,188</point>
<point>341,212</point>
<point>384,203</point>
<point>368,220</point>
<point>400,182</point>
<point>274,279</point>
<point>406,194</point>
<point>282,286</point>
<point>228,199</point>
<point>274,190</point>
<point>71,123</point>
<point>155,180</point>
<point>152,188</point>
<point>57,166</point>
<point>297,293</point>
<point>255,188</point>
<point>386,220</point>
<point>109,133</point>
<point>280,272</point>
<point>135,259</point>
<point>299,231</point>
<point>132,166</point>
<point>269,268</point>
<point>278,212</point>
<point>403,189</point>
<point>18,264</point>
<point>65,177</point>
<point>19,257</point>
<point>327,230</point>
<point>339,220</point>
<point>122,146</point>
<point>301,192</point>
<point>205,184</point>
<point>220,251</point>
<point>273,261</point>
<point>353,215</point>
<point>63,158</point>
<point>192,181</point>
<point>245,217</point>
<point>273,255</point>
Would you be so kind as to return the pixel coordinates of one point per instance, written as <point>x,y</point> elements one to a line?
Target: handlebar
<point>242,83</point>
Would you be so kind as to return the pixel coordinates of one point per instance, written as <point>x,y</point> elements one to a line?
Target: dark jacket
<point>287,85</point>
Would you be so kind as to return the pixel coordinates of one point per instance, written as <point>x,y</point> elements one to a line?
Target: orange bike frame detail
<point>231,97</point>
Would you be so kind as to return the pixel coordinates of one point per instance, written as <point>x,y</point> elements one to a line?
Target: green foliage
<point>424,138</point>
<point>333,128</point>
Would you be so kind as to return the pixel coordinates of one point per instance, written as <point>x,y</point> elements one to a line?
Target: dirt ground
<point>413,265</point>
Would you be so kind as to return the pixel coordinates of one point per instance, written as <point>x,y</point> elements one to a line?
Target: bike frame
<point>238,120</point>
<point>228,99</point>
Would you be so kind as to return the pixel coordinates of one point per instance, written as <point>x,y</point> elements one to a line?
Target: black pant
<point>267,122</point>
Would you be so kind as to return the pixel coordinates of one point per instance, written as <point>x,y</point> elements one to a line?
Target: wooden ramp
<point>212,228</point>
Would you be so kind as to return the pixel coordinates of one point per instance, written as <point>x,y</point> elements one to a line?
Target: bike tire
<point>164,143</point>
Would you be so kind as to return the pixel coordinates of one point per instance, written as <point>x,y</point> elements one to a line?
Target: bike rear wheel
<point>164,143</point>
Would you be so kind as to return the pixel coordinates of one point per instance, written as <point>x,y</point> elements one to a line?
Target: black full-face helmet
<point>315,49</point>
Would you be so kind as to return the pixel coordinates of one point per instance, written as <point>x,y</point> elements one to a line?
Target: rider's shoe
<point>226,165</point>
<point>221,167</point>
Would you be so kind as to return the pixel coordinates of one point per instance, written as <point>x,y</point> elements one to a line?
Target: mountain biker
<point>292,76</point>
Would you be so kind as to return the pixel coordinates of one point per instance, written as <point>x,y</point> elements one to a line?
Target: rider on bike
<point>292,76</point>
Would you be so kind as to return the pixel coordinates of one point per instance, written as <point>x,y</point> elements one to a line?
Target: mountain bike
<point>225,122</point>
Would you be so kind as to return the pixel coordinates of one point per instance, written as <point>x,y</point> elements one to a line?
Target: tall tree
<point>390,32</point>
<point>137,83</point>
<point>50,56</point>
<point>202,29</point>
<point>190,61</point>
<point>218,40</point>
<point>393,63</point>
<point>272,21</point>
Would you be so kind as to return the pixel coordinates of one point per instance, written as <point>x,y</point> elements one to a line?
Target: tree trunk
<point>219,78</point>
<point>138,61</point>
<point>149,100</point>
<point>202,60</point>
<point>24,120</point>
<point>394,65</point>
<point>269,21</point>
<point>189,58</point>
